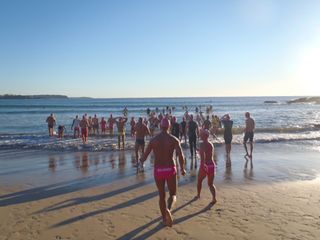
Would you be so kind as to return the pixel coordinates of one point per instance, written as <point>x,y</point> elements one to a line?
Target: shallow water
<point>272,163</point>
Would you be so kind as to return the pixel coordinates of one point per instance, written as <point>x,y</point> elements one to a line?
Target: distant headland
<point>306,100</point>
<point>12,96</point>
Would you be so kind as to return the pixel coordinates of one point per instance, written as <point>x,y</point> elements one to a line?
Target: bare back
<point>250,125</point>
<point>163,146</point>
<point>141,130</point>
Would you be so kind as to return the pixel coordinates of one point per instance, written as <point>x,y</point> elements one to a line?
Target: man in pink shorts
<point>207,165</point>
<point>163,145</point>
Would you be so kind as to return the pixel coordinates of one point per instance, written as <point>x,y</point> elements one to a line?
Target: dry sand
<point>123,210</point>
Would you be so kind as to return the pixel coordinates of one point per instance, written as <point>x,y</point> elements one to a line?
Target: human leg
<point>162,202</point>
<point>212,187</point>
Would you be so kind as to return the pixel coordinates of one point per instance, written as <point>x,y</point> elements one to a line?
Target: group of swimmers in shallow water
<point>164,144</point>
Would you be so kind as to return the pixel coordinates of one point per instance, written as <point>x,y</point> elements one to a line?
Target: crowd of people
<point>167,134</point>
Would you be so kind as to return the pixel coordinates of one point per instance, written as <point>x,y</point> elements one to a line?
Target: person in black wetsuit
<point>193,132</point>
<point>227,124</point>
<point>175,128</point>
<point>183,130</point>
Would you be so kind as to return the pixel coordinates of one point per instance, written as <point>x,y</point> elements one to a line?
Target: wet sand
<point>98,195</point>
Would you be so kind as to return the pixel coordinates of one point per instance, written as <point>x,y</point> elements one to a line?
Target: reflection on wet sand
<point>228,171</point>
<point>248,173</point>
<point>52,163</point>
<point>122,162</point>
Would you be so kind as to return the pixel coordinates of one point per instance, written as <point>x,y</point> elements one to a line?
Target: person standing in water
<point>51,120</point>
<point>163,145</point>
<point>121,125</point>
<point>207,165</point>
<point>227,124</point>
<point>193,132</point>
<point>141,130</point>
<point>249,134</point>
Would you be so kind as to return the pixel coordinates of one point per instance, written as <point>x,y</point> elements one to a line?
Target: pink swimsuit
<point>165,172</point>
<point>208,167</point>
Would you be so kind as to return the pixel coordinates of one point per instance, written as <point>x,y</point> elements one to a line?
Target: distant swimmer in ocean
<point>207,165</point>
<point>76,127</point>
<point>121,125</point>
<point>61,131</point>
<point>227,124</point>
<point>163,145</point>
<point>248,134</point>
<point>141,131</point>
<point>51,120</point>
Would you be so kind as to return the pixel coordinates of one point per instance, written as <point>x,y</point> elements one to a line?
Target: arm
<point>146,153</point>
<point>181,158</point>
<point>202,153</point>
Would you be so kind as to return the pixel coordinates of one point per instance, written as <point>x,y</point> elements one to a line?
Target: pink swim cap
<point>165,123</point>
<point>205,133</point>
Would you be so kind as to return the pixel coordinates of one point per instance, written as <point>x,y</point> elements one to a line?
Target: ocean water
<point>23,121</point>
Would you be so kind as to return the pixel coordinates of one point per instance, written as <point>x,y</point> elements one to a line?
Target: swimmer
<point>163,145</point>
<point>248,134</point>
<point>207,165</point>
<point>141,130</point>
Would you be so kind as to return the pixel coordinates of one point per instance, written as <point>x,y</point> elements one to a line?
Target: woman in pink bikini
<point>207,165</point>
<point>163,145</point>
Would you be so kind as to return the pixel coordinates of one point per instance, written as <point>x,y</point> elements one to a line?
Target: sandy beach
<point>100,196</point>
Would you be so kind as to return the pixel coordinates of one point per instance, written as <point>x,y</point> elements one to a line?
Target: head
<point>140,120</point>
<point>165,124</point>
<point>132,118</point>
<point>191,117</point>
<point>247,114</point>
<point>204,134</point>
<point>77,116</point>
<point>228,116</point>
<point>174,119</point>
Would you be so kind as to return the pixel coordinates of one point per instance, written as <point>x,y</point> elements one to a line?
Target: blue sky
<point>160,48</point>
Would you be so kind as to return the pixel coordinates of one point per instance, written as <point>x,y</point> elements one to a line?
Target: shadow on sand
<point>53,190</point>
<point>134,234</point>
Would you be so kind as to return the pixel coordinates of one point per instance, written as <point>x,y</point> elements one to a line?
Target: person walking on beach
<point>51,120</point>
<point>207,165</point>
<point>121,125</point>
<point>248,134</point>
<point>193,132</point>
<point>227,124</point>
<point>76,127</point>
<point>163,145</point>
<point>141,130</point>
<point>84,125</point>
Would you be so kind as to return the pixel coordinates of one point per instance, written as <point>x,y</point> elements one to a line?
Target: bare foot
<point>213,202</point>
<point>169,219</point>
